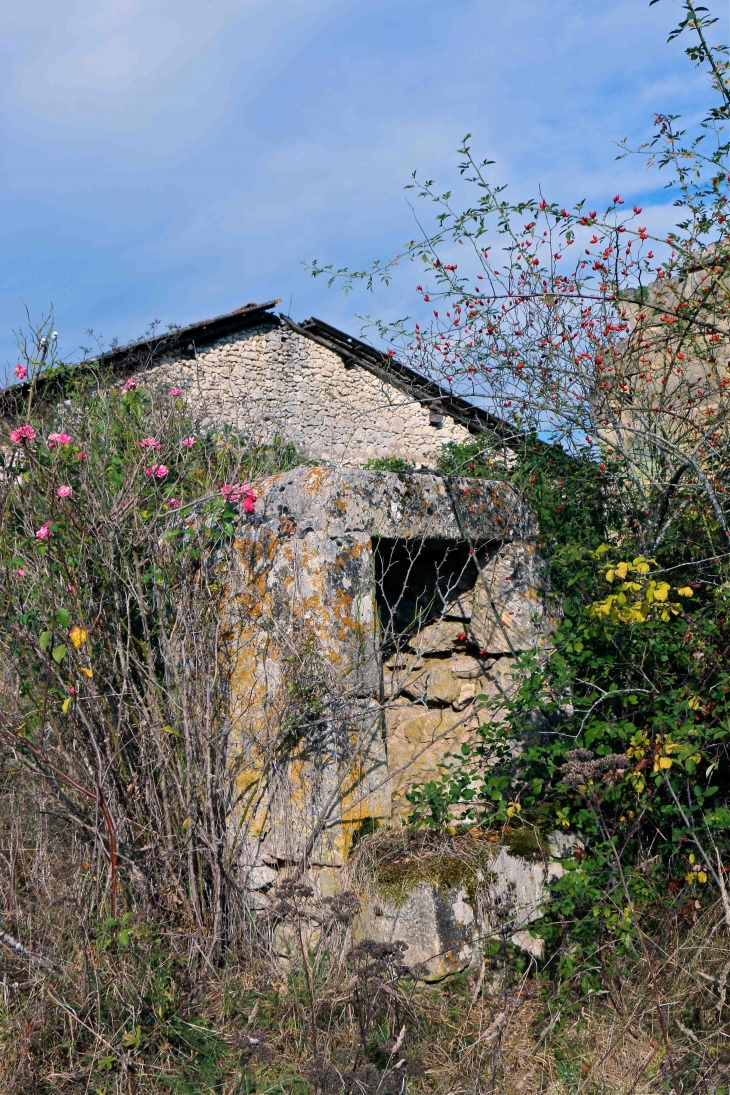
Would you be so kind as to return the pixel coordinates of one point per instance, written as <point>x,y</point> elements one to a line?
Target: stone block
<point>437,928</point>
<point>442,686</point>
<point>438,637</point>
<point>509,613</point>
<point>445,929</point>
<point>467,667</point>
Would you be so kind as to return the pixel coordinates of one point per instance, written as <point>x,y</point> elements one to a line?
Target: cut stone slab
<point>438,637</point>
<point>460,608</point>
<point>500,679</point>
<point>509,613</point>
<point>438,929</point>
<point>258,878</point>
<point>413,683</point>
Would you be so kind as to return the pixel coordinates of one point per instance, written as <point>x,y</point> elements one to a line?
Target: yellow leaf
<point>694,703</point>
<point>66,704</point>
<point>86,672</point>
<point>661,591</point>
<point>665,762</point>
<point>622,569</point>
<point>610,575</point>
<point>691,877</point>
<point>685,591</point>
<point>701,876</point>
<point>78,636</point>
<point>186,822</point>
<point>691,857</point>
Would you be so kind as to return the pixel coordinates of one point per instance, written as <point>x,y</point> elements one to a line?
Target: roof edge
<point>207,329</point>
<point>140,354</point>
<point>427,392</point>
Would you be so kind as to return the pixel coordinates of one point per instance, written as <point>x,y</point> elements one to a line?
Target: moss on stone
<point>398,867</point>
<point>447,871</point>
<point>527,843</point>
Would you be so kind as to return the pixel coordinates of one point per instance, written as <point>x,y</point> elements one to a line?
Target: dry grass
<point>144,1014</point>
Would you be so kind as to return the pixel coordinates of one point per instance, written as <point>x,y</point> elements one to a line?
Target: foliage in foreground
<point>611,340</point>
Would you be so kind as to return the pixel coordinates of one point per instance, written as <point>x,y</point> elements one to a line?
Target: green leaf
<point>58,654</point>
<point>63,617</point>
<point>45,640</point>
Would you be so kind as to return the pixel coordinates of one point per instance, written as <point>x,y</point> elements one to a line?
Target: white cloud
<point>120,65</point>
<point>177,158</point>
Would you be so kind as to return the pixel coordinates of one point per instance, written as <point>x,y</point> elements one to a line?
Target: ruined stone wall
<point>369,611</point>
<point>273,380</point>
<point>372,622</point>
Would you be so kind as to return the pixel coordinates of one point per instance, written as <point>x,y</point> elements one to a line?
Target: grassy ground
<point>134,1007</point>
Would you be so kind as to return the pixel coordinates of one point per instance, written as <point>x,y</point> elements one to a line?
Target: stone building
<point>375,619</point>
<point>337,399</point>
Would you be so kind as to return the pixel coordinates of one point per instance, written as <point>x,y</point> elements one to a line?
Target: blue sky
<point>175,159</point>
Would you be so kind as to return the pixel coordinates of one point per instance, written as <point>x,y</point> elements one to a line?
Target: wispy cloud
<point>175,159</point>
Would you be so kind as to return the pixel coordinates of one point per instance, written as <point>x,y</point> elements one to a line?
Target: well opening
<point>419,581</point>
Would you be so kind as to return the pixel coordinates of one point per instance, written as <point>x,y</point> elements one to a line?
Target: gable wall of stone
<point>272,380</point>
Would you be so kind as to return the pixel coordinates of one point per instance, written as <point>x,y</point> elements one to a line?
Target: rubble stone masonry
<point>273,380</point>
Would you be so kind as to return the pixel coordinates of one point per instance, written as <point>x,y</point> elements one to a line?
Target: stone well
<point>367,611</point>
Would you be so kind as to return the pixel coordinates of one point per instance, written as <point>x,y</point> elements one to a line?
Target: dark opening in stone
<point>418,581</point>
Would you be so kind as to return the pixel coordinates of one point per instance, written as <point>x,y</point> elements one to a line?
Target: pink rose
<point>55,439</point>
<point>131,385</point>
<point>20,371</point>
<point>71,690</point>
<point>20,572</point>
<point>173,503</point>
<point>22,433</point>
<point>71,587</point>
<point>175,391</point>
<point>188,442</point>
<point>232,492</point>
<point>81,456</point>
<point>150,443</point>
<point>158,470</point>
<point>43,532</point>
<point>64,491</point>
